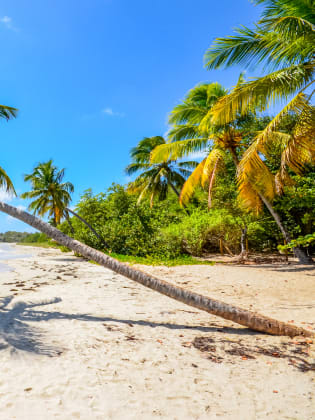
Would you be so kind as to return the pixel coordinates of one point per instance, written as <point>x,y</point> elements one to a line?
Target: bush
<point>201,232</point>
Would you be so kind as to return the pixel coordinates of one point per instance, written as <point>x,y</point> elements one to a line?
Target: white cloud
<point>6,19</point>
<point>7,22</point>
<point>105,111</point>
<point>5,196</point>
<point>111,113</point>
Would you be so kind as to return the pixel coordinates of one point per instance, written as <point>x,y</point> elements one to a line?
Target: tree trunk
<point>234,157</point>
<point>90,227</point>
<point>178,195</point>
<point>174,189</point>
<point>249,319</point>
<point>221,246</point>
<point>69,221</point>
<point>244,246</point>
<point>298,252</point>
<point>228,249</point>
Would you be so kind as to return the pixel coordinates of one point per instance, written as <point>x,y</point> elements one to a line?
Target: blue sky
<point>91,79</point>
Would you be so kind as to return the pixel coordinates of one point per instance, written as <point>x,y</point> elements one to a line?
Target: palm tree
<point>283,41</point>
<point>49,194</point>
<point>155,179</point>
<point>7,113</point>
<point>194,130</point>
<point>52,196</point>
<point>250,319</point>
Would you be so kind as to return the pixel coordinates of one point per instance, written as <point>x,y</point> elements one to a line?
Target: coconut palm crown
<point>50,195</point>
<point>155,180</point>
<point>194,131</point>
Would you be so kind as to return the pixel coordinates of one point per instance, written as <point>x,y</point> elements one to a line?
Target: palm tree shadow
<point>17,334</point>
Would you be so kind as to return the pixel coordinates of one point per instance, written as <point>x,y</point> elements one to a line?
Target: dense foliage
<point>167,231</point>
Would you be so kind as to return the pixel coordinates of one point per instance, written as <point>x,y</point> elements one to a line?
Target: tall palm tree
<point>155,179</point>
<point>52,196</point>
<point>7,113</point>
<point>194,130</point>
<point>250,319</point>
<point>284,42</point>
<point>49,194</point>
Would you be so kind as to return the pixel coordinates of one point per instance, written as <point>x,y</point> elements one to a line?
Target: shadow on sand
<point>17,334</point>
<point>286,268</point>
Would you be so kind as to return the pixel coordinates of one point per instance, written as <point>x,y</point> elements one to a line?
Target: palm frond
<point>253,170</point>
<point>183,132</point>
<point>135,167</point>
<point>191,183</point>
<point>191,164</point>
<point>141,153</point>
<point>6,183</point>
<point>300,148</point>
<point>214,160</point>
<point>243,48</point>
<point>7,112</point>
<point>176,150</point>
<point>186,112</point>
<point>299,104</point>
<point>248,196</point>
<point>303,9</point>
<point>262,92</point>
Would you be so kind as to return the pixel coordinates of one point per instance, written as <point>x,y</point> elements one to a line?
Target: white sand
<point>80,342</point>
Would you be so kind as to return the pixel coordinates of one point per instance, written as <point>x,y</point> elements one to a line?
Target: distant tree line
<point>12,236</point>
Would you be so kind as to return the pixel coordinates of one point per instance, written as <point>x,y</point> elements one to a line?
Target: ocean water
<point>9,252</point>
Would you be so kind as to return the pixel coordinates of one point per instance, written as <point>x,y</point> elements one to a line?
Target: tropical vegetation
<point>155,180</point>
<point>257,172</point>
<point>283,43</point>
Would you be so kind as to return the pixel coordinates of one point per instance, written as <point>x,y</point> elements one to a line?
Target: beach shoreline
<point>79,341</point>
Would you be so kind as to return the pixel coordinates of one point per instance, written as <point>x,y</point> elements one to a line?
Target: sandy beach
<point>80,342</point>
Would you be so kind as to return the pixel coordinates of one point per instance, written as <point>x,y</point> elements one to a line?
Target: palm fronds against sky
<point>283,42</point>
<point>155,180</point>
<point>49,194</point>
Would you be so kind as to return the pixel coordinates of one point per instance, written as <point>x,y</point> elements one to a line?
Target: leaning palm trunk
<point>298,252</point>
<point>69,222</point>
<point>178,195</point>
<point>90,227</point>
<point>249,319</point>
